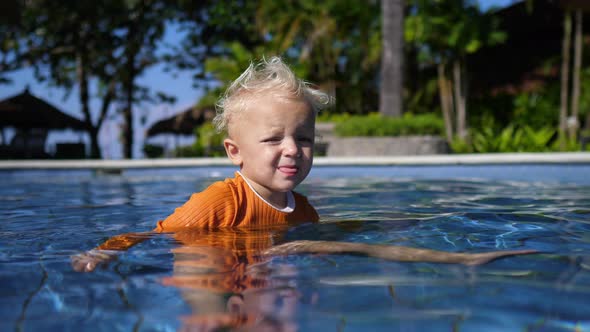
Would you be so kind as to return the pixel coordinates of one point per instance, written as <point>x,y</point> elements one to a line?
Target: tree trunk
<point>574,126</point>
<point>128,122</point>
<point>92,130</point>
<point>135,36</point>
<point>94,146</point>
<point>460,101</point>
<point>565,57</point>
<point>446,103</point>
<point>391,90</point>
<point>128,86</point>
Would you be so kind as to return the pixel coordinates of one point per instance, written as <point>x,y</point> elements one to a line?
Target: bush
<point>186,151</point>
<point>376,125</point>
<point>510,139</point>
<point>333,117</point>
<point>209,142</point>
<point>153,151</point>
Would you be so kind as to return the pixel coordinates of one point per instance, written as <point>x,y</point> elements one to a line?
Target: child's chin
<point>285,187</point>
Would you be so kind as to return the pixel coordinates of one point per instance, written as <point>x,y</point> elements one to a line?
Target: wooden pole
<point>565,57</point>
<point>573,124</point>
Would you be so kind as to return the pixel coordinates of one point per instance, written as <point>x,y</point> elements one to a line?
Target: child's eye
<point>305,139</point>
<point>272,140</point>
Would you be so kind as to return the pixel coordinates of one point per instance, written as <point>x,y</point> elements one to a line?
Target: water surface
<point>47,216</point>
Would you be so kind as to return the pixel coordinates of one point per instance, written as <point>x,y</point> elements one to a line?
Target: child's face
<point>272,142</point>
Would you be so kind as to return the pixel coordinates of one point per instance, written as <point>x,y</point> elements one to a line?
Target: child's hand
<point>88,261</point>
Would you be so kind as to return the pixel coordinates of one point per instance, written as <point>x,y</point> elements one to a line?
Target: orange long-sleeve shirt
<point>232,203</point>
<point>228,204</point>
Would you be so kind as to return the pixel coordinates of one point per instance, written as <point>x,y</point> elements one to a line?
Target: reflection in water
<point>223,277</point>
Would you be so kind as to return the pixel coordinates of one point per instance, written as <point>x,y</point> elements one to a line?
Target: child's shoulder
<point>224,188</point>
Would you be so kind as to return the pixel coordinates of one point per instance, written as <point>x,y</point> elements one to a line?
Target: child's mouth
<point>289,170</point>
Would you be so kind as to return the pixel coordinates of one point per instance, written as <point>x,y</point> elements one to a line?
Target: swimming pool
<point>47,216</point>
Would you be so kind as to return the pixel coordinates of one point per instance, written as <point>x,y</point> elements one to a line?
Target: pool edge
<point>452,159</point>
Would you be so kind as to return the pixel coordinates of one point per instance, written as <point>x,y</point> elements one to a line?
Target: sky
<point>179,85</point>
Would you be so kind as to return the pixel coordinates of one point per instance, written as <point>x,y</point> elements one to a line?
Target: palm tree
<point>392,29</point>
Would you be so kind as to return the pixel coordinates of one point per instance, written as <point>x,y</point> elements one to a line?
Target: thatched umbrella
<point>32,118</point>
<point>183,123</point>
<point>25,111</point>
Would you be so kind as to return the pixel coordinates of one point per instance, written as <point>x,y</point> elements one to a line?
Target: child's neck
<point>278,200</point>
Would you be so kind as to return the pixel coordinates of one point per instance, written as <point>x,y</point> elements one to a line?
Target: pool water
<point>48,216</point>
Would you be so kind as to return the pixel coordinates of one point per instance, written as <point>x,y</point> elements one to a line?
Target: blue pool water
<point>48,216</point>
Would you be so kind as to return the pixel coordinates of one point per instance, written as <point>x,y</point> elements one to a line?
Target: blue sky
<point>179,86</point>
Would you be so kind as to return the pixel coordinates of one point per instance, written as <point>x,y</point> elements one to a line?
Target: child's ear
<point>233,151</point>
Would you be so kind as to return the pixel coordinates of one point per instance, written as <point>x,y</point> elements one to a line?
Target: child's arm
<point>182,218</point>
<point>106,252</point>
<point>395,253</point>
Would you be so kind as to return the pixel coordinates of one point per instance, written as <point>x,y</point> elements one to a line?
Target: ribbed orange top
<point>229,204</point>
<point>232,203</point>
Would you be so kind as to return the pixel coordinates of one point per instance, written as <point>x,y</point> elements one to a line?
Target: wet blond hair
<point>271,75</point>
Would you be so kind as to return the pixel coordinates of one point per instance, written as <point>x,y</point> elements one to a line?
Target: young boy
<point>269,117</point>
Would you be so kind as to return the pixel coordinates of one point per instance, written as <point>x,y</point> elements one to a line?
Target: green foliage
<point>186,151</point>
<point>512,138</point>
<point>537,140</point>
<point>228,67</point>
<point>209,142</point>
<point>333,117</point>
<point>334,44</point>
<point>585,86</point>
<point>153,151</point>
<point>376,125</point>
<point>461,146</point>
<point>536,109</point>
<point>569,145</point>
<point>421,99</point>
<point>450,29</point>
<point>209,99</point>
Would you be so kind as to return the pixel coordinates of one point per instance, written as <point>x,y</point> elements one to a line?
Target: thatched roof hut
<point>31,118</point>
<point>25,111</point>
<point>183,123</point>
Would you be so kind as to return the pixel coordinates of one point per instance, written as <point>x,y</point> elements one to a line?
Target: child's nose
<point>291,148</point>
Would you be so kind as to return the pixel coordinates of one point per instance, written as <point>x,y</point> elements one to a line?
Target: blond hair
<point>266,75</point>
